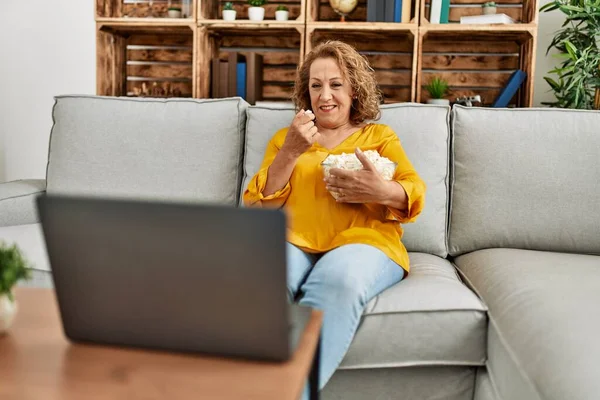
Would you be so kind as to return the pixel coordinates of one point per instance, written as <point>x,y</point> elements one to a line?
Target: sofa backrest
<point>170,149</point>
<point>424,133</point>
<point>525,178</point>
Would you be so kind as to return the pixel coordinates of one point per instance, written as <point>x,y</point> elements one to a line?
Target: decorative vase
<point>8,310</point>
<point>489,10</point>
<point>229,15</point>
<point>282,15</point>
<point>443,102</point>
<point>256,13</point>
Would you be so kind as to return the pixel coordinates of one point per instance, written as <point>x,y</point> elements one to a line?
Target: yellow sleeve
<point>253,195</point>
<point>406,176</point>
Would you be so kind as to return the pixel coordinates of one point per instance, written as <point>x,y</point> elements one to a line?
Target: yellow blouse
<point>316,222</point>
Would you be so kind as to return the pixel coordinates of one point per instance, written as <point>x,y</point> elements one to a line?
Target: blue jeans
<point>340,283</point>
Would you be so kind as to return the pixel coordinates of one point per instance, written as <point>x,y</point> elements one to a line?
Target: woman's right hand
<point>301,135</point>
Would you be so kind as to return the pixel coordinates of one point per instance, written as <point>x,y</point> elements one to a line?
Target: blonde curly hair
<point>355,68</point>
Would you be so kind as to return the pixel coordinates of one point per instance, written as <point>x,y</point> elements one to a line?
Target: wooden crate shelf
<point>480,63</point>
<point>135,62</point>
<point>392,54</point>
<point>140,9</point>
<point>176,52</point>
<point>210,11</point>
<point>281,48</point>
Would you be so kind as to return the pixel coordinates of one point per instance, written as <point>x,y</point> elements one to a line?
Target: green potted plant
<point>282,13</point>
<point>174,12</point>
<point>13,268</point>
<point>489,8</point>
<point>578,45</point>
<point>256,11</point>
<point>438,88</point>
<point>229,12</point>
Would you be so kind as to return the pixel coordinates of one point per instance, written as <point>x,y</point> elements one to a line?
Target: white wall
<point>48,48</point>
<point>549,23</point>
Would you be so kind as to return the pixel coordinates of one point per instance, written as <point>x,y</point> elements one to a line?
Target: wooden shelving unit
<point>136,53</point>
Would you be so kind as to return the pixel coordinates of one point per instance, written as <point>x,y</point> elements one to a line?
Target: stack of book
<point>241,75</point>
<point>389,11</point>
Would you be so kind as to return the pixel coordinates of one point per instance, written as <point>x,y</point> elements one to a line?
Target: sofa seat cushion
<point>544,321</point>
<point>30,240</point>
<point>429,318</point>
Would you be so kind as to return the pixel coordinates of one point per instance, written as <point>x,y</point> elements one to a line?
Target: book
<point>487,19</point>
<point>445,13</point>
<point>220,72</point>
<point>510,89</point>
<point>254,77</point>
<point>398,10</point>
<point>389,10</point>
<point>435,11</point>
<point>406,11</point>
<point>371,10</point>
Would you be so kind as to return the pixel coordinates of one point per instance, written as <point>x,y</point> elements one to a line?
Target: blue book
<point>509,90</point>
<point>241,79</point>
<point>398,10</point>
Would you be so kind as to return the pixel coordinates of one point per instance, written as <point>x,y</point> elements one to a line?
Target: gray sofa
<point>503,301</point>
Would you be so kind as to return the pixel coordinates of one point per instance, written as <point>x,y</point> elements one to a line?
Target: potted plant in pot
<point>256,11</point>
<point>229,12</point>
<point>489,8</point>
<point>282,13</point>
<point>438,88</point>
<point>13,268</point>
<point>174,12</point>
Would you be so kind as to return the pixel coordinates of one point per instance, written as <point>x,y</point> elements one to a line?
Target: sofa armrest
<point>17,201</point>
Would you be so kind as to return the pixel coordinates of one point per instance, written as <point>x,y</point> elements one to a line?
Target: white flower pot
<point>174,13</point>
<point>444,102</point>
<point>229,15</point>
<point>282,15</point>
<point>8,310</point>
<point>256,13</point>
<point>489,10</point>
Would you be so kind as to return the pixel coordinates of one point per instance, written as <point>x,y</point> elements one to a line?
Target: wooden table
<point>37,362</point>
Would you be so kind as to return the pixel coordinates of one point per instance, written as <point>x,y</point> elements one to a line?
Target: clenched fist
<point>301,135</point>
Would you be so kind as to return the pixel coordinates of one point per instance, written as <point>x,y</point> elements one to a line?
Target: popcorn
<point>350,162</point>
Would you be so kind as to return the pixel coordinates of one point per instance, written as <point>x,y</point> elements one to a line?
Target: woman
<point>340,253</point>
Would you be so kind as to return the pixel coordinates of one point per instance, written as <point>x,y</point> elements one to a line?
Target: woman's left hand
<point>363,186</point>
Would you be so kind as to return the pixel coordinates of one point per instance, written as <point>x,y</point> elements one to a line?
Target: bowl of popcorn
<point>349,162</point>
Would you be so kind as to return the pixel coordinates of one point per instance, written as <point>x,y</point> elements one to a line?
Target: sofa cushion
<point>410,383</point>
<point>429,318</point>
<point>544,321</point>
<point>424,133</point>
<point>525,178</point>
<point>17,201</point>
<point>30,240</point>
<point>175,149</point>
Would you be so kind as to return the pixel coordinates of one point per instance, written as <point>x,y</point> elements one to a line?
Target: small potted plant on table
<point>438,88</point>
<point>13,268</point>
<point>256,11</point>
<point>282,13</point>
<point>229,12</point>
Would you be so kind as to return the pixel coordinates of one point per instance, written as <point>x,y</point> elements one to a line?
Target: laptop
<point>183,277</point>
